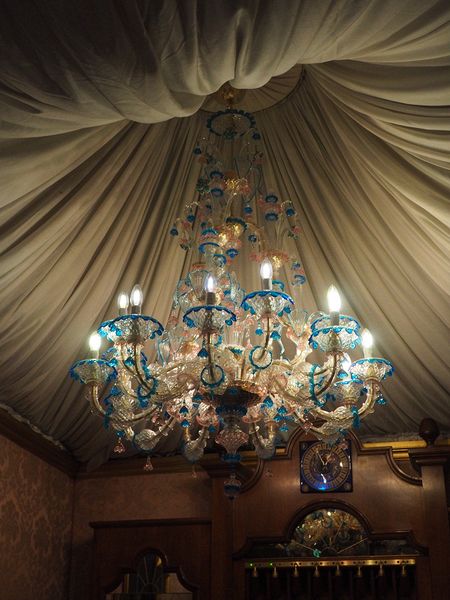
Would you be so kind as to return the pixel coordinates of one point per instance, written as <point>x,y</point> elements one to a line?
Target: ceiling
<point>100,110</point>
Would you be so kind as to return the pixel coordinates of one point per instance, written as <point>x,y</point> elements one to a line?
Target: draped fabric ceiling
<point>99,107</point>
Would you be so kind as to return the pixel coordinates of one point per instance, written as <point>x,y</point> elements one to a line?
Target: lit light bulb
<point>210,284</point>
<point>136,298</point>
<point>334,300</point>
<point>123,302</point>
<point>210,288</point>
<point>367,342</point>
<point>266,272</point>
<point>95,341</point>
<point>266,269</point>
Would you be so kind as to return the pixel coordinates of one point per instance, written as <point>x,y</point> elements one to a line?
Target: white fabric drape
<point>87,196</point>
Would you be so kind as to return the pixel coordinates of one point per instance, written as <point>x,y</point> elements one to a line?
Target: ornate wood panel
<point>184,545</point>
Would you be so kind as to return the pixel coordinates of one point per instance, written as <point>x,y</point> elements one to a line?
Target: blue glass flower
<point>232,252</point>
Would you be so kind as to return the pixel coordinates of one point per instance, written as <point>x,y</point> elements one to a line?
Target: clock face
<point>325,468</point>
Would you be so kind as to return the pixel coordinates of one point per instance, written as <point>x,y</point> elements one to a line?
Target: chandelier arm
<point>127,368</point>
<point>141,380</point>
<point>95,402</point>
<point>243,368</point>
<point>169,369</point>
<point>187,435</point>
<point>135,373</point>
<point>260,438</point>
<point>201,435</point>
<point>362,411</point>
<point>161,431</point>
<point>148,412</point>
<point>210,363</point>
<point>300,417</point>
<point>330,381</point>
<point>287,365</point>
<point>267,340</point>
<point>369,402</point>
<point>128,393</point>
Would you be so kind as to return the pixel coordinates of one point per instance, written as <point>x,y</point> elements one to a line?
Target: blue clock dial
<point>324,468</point>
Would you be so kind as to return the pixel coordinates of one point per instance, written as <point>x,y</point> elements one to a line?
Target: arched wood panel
<point>184,545</point>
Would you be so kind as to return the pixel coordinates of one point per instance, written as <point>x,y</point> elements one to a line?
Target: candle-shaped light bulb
<point>136,299</point>
<point>266,272</point>
<point>210,288</point>
<point>123,303</point>
<point>95,341</point>
<point>334,304</point>
<point>210,283</point>
<point>367,342</point>
<point>334,299</point>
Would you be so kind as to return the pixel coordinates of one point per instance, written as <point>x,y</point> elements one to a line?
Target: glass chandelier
<point>232,365</point>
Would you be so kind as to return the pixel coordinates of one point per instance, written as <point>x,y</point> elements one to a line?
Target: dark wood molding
<point>182,544</point>
<point>148,523</point>
<point>433,462</point>
<point>372,534</point>
<point>430,456</point>
<point>300,435</point>
<point>22,435</point>
<point>211,463</point>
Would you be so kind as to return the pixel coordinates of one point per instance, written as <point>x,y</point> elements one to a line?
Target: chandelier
<point>232,365</point>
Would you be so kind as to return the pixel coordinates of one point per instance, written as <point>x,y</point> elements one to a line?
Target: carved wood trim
<point>136,545</point>
<point>300,435</point>
<point>372,534</point>
<point>167,568</point>
<point>148,523</point>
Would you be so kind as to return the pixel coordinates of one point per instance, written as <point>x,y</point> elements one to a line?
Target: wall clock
<point>325,468</point>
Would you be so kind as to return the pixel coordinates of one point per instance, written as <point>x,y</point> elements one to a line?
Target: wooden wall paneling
<point>423,578</point>
<point>266,505</point>
<point>432,462</point>
<point>222,584</point>
<point>390,498</point>
<point>184,543</point>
